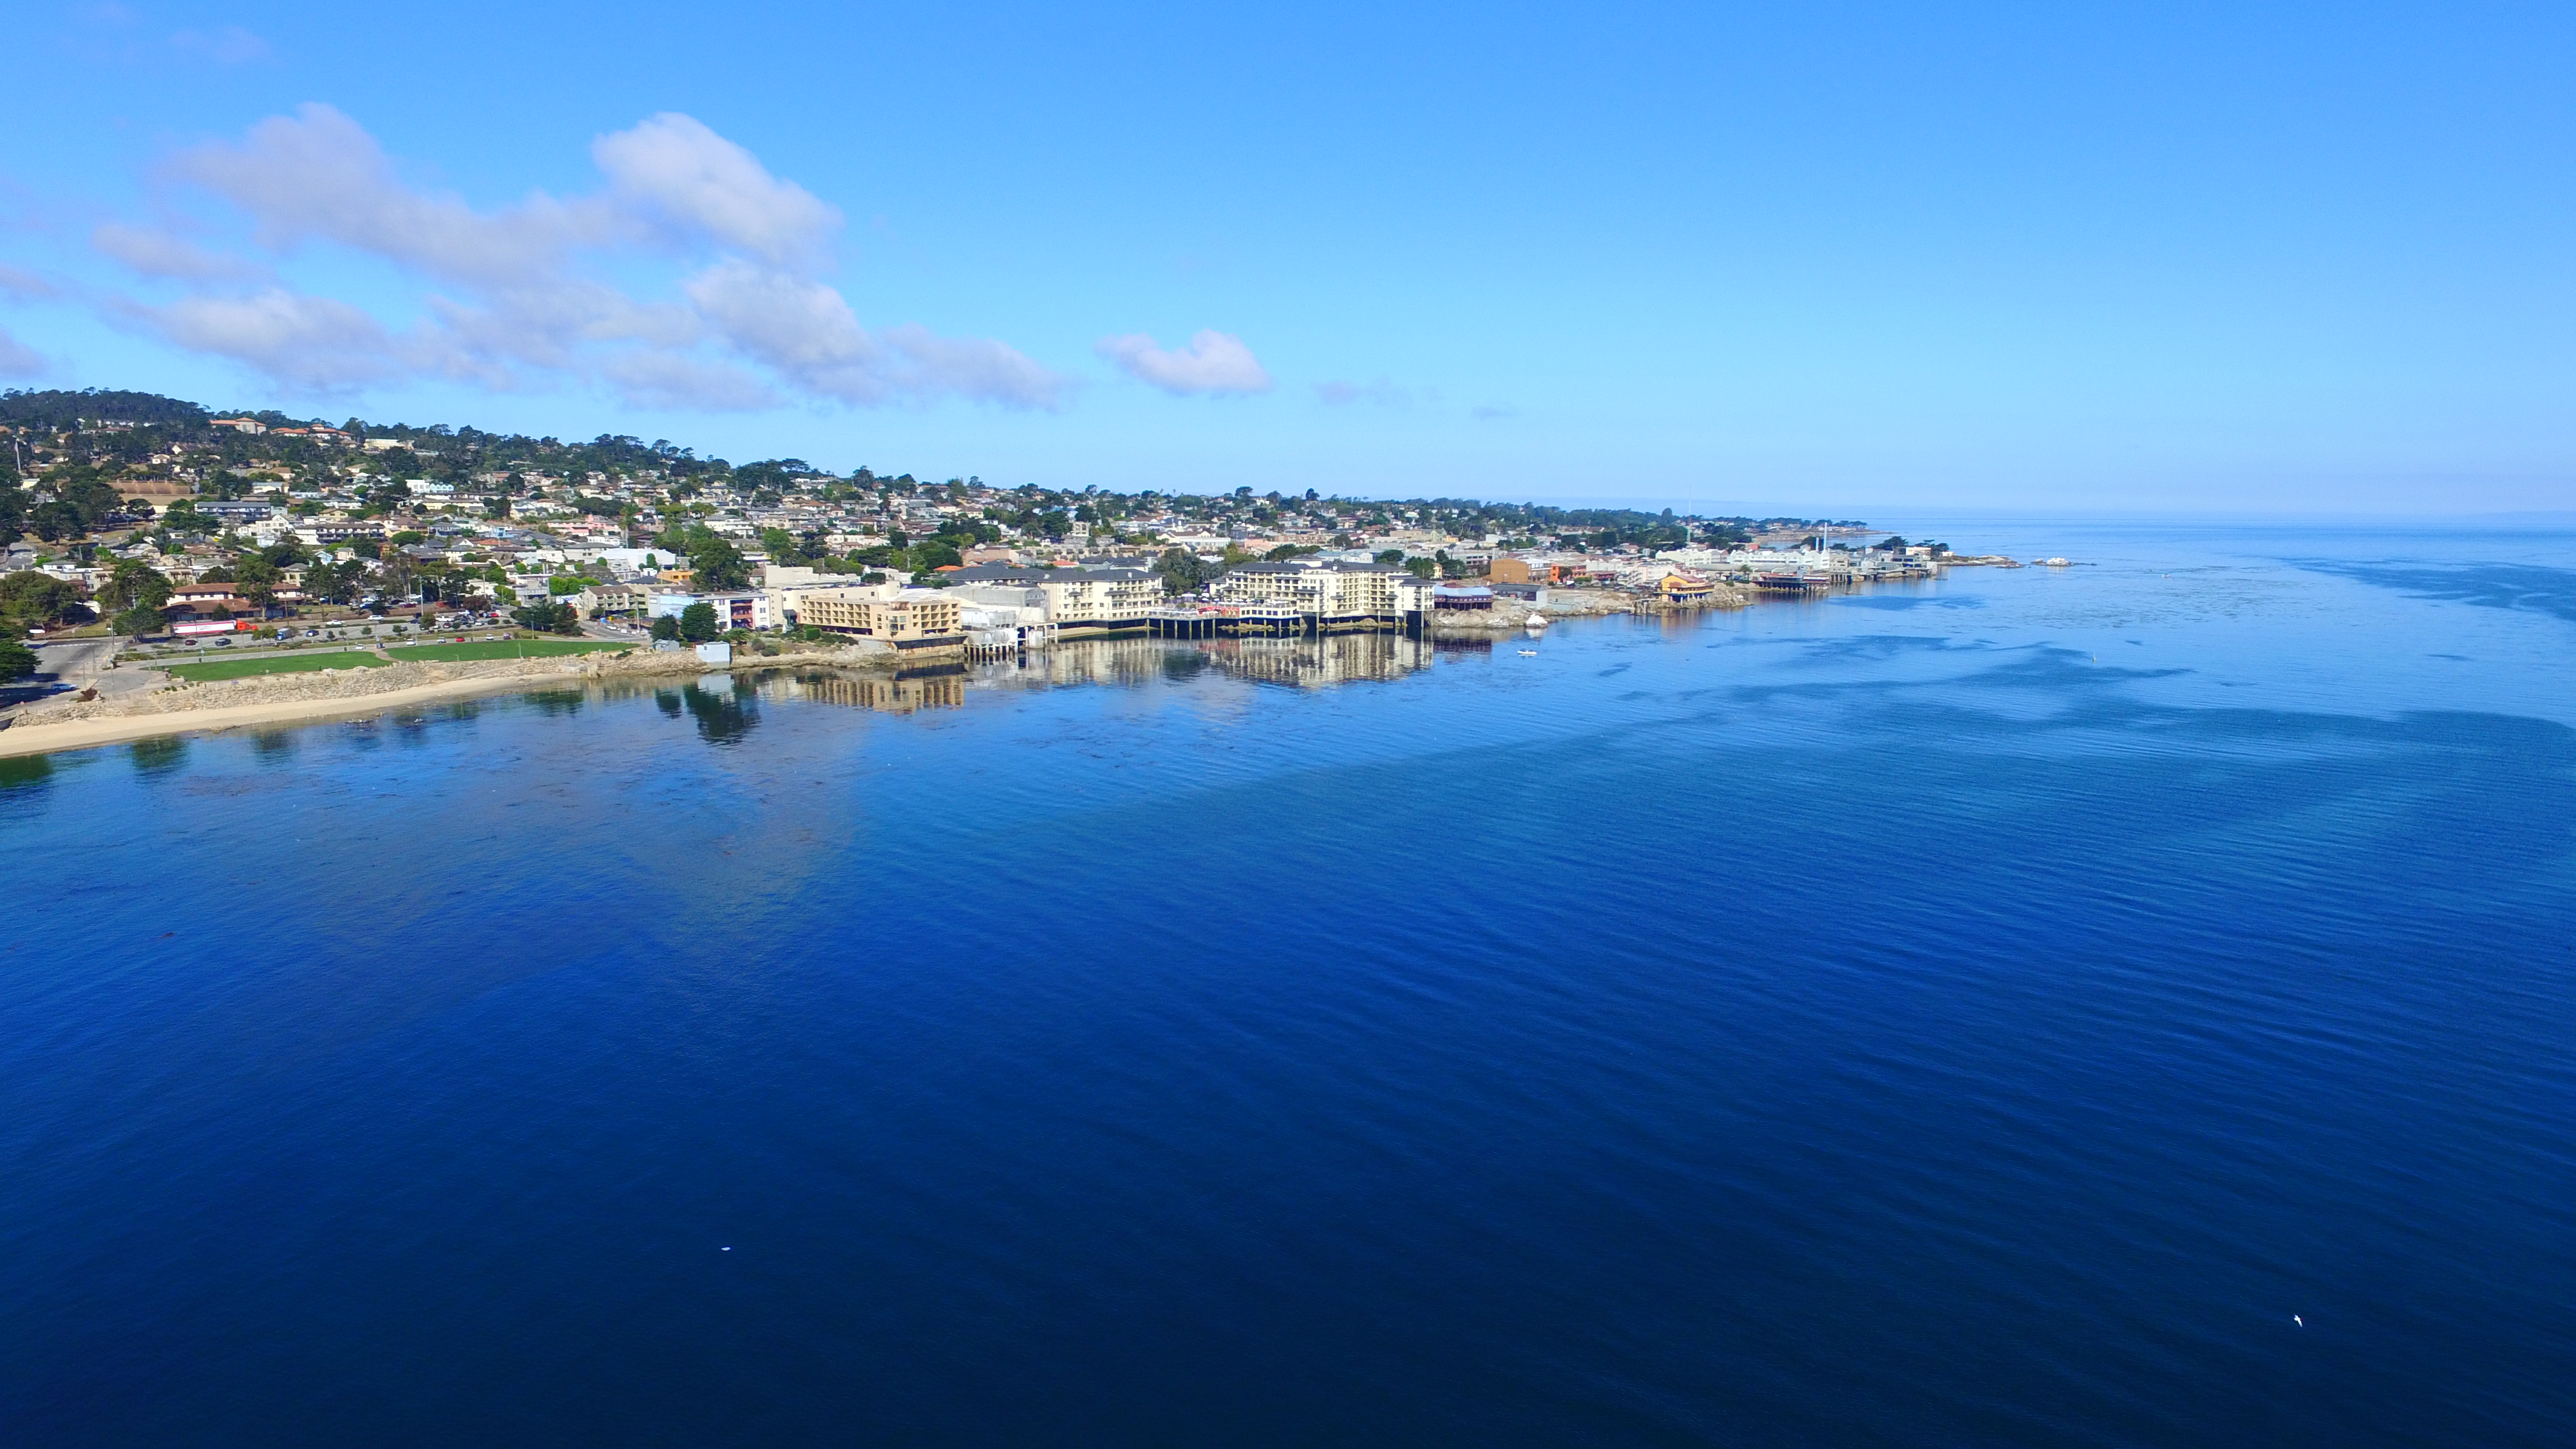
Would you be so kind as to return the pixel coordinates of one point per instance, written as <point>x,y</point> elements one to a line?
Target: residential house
<point>613,600</point>
<point>221,598</point>
<point>746,609</point>
<point>321,534</point>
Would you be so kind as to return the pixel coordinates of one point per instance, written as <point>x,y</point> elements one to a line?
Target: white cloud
<point>223,44</point>
<point>659,379</point>
<point>17,359</point>
<point>317,175</point>
<point>20,285</point>
<point>975,367</point>
<point>513,305</point>
<point>313,343</point>
<point>805,332</point>
<point>157,253</point>
<point>673,170</point>
<point>1214,362</point>
<point>555,326</point>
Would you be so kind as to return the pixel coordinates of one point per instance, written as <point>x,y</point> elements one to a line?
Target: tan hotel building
<point>912,617</point>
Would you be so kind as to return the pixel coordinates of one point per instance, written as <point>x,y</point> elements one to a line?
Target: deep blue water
<point>1976,1014</point>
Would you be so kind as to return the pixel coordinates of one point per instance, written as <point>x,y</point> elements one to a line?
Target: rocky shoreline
<point>1581,604</point>
<point>358,683</point>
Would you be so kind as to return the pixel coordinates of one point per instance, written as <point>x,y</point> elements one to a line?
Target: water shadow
<point>158,757</point>
<point>2530,588</point>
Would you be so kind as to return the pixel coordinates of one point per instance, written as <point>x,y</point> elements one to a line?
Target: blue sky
<point>1830,258</point>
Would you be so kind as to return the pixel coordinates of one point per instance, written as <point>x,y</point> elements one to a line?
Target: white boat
<point>1535,621</point>
<point>2054,563</point>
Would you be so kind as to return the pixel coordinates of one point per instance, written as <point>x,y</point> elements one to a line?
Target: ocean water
<point>1973,1013</point>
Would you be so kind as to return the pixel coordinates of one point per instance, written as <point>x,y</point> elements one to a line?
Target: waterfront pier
<point>1240,618</point>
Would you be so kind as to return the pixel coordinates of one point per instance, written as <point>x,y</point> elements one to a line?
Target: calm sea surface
<point>1973,1013</point>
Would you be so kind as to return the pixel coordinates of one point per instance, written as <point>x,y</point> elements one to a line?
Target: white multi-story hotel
<point>1074,601</point>
<point>1329,590</point>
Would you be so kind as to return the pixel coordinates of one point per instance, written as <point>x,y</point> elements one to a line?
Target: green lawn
<point>503,649</point>
<point>281,664</point>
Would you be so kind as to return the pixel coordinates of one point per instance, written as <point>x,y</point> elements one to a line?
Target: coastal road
<point>75,662</point>
<point>128,679</point>
<point>91,664</point>
<point>73,665</point>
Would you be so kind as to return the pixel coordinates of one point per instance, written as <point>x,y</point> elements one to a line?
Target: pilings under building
<point>1231,619</point>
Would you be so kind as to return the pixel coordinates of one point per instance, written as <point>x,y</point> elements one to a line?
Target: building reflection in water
<point>1319,663</point>
<point>1301,663</point>
<point>719,703</point>
<point>1306,663</point>
<point>902,692</point>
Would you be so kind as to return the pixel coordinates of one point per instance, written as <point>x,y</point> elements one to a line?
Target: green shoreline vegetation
<point>209,670</point>
<point>123,510</point>
<point>500,649</point>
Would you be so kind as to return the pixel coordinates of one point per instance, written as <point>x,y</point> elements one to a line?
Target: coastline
<point>291,699</point>
<point>1569,604</point>
<point>294,699</point>
<point>46,739</point>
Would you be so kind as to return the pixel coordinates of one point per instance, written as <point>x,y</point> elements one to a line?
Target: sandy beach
<point>288,699</point>
<point>41,739</point>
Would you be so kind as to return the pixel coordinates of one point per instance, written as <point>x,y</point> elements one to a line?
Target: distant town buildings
<point>423,523</point>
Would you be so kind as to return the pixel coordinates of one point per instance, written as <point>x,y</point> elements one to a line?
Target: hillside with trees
<point>137,494</point>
